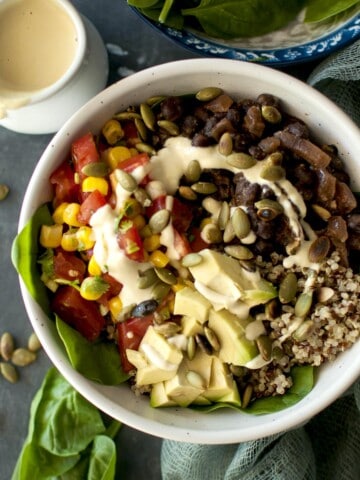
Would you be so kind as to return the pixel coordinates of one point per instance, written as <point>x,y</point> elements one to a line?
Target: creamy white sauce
<point>254,329</point>
<point>257,362</point>
<point>180,341</point>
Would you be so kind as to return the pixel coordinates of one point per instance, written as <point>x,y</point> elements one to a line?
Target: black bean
<point>144,308</point>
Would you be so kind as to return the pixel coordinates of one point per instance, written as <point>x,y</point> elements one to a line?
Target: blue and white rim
<point>300,53</point>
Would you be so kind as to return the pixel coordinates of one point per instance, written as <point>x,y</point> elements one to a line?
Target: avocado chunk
<point>190,326</point>
<point>222,385</point>
<point>159,398</point>
<point>190,302</point>
<point>235,348</point>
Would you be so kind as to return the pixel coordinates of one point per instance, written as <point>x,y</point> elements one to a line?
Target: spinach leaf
<point>24,256</point>
<point>99,362</point>
<point>318,10</point>
<point>244,18</point>
<point>67,438</point>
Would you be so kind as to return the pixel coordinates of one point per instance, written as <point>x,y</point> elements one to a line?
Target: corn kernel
<point>50,236</point>
<point>70,214</point>
<point>152,243</point>
<point>112,131</point>
<point>139,222</point>
<point>115,307</point>
<point>159,259</point>
<point>93,267</point>
<point>69,242</point>
<point>85,238</point>
<point>116,155</point>
<point>90,184</point>
<point>58,215</point>
<point>92,288</point>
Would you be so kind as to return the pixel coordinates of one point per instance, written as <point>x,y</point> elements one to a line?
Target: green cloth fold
<point>328,446</point>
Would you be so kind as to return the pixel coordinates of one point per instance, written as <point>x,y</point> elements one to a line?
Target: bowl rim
<point>276,423</point>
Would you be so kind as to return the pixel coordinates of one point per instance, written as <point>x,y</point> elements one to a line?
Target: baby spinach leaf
<point>318,10</point>
<point>244,18</point>
<point>99,362</point>
<point>25,252</point>
<point>102,459</point>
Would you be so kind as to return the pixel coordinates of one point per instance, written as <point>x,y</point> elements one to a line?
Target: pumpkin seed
<point>155,100</point>
<point>272,309</point>
<point>146,278</point>
<point>145,148</point>
<point>324,294</point>
<point>204,188</point>
<point>22,357</point>
<point>166,275</point>
<point>168,329</point>
<point>193,171</point>
<point>241,223</point>
<point>127,115</point>
<point>141,128</point>
<point>225,145</point>
<point>7,345</point>
<point>212,338</point>
<point>148,116</point>
<point>273,173</point>
<point>159,220</point>
<point>224,215</point>
<point>9,372</point>
<point>239,252</point>
<point>303,331</point>
<point>142,197</point>
<point>95,169</point>
<point>191,259</point>
<point>303,305</point>
<point>195,379</point>
<point>211,233</point>
<point>264,345</point>
<point>203,343</point>
<point>241,160</point>
<point>268,209</point>
<point>4,190</point>
<point>321,212</point>
<point>248,265</point>
<point>211,205</point>
<point>160,290</point>
<point>319,249</point>
<point>246,396</point>
<point>271,114</point>
<point>274,158</point>
<point>191,348</point>
<point>229,232</point>
<point>208,93</point>
<point>288,288</point>
<point>144,308</point>
<point>187,193</point>
<point>293,246</point>
<point>33,343</point>
<point>169,127</point>
<point>126,180</point>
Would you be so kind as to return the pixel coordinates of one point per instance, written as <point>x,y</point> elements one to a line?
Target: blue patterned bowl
<point>298,42</point>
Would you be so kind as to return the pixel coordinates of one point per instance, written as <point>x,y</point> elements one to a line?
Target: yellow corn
<point>139,222</point>
<point>70,214</point>
<point>115,307</point>
<point>90,184</point>
<point>58,215</point>
<point>93,267</point>
<point>116,155</point>
<point>112,131</point>
<point>69,242</point>
<point>132,208</point>
<point>152,243</point>
<point>85,238</point>
<point>159,258</point>
<point>50,236</point>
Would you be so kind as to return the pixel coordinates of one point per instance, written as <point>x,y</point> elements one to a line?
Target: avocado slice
<point>190,302</point>
<point>159,398</point>
<point>222,386</point>
<point>190,326</point>
<point>235,348</point>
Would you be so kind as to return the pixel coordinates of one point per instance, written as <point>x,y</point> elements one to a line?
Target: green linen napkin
<point>328,446</point>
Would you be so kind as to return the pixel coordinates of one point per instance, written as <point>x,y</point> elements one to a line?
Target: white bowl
<point>329,124</point>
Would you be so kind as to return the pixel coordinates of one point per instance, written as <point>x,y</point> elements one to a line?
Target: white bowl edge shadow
<point>225,425</point>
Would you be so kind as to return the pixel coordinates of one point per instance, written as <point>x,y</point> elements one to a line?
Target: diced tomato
<point>181,244</point>
<point>130,241</point>
<point>81,314</point>
<point>68,266</point>
<point>114,288</point>
<point>93,202</point>
<point>130,334</point>
<point>131,163</point>
<point>66,190</point>
<point>181,214</point>
<point>83,152</point>
<point>196,242</point>
<point>130,130</point>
